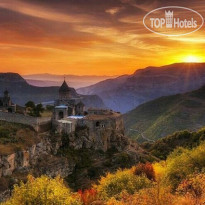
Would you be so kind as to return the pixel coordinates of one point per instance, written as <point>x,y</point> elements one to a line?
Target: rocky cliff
<point>26,159</point>
<point>38,159</point>
<point>72,156</point>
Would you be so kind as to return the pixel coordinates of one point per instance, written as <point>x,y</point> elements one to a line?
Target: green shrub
<point>183,162</point>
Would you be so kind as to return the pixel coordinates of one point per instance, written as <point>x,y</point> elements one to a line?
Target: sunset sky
<point>90,37</point>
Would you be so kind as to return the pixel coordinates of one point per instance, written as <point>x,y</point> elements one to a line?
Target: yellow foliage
<point>147,196</point>
<point>43,191</point>
<point>159,168</point>
<point>112,185</point>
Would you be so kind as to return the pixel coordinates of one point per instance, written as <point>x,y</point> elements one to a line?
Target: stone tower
<point>6,99</point>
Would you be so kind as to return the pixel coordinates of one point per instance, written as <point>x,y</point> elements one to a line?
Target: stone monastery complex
<point>70,114</point>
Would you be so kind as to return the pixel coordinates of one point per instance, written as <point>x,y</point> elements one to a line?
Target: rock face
<point>5,195</point>
<point>103,141</point>
<point>54,166</point>
<point>23,160</point>
<point>98,133</point>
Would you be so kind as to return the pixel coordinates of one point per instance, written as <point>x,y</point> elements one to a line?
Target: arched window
<point>61,115</point>
<point>10,110</point>
<point>97,124</point>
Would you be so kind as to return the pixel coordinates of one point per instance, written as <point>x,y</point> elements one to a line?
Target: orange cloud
<point>85,37</point>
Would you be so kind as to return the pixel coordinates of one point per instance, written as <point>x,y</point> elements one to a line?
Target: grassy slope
<point>166,115</point>
<point>15,137</point>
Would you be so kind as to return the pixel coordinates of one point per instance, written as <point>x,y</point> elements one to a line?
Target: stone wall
<point>64,126</point>
<point>40,124</point>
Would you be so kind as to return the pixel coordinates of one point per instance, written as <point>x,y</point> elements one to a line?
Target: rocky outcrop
<point>39,159</point>
<point>53,166</point>
<point>5,195</point>
<point>103,139</point>
<point>23,160</point>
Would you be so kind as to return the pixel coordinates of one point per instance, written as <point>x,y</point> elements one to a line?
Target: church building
<point>6,104</point>
<point>68,103</point>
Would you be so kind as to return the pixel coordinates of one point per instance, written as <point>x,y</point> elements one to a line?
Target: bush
<point>4,133</point>
<point>43,191</point>
<point>123,160</point>
<point>112,185</point>
<point>183,162</point>
<point>194,185</point>
<point>88,196</point>
<point>148,196</point>
<point>145,169</point>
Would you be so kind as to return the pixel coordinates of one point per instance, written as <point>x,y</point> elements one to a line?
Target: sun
<point>192,59</point>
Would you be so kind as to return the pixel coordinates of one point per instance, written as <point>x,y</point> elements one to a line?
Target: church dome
<point>64,87</point>
<point>81,104</point>
<point>6,92</point>
<point>66,92</point>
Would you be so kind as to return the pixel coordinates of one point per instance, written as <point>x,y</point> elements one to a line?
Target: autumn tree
<point>112,185</point>
<point>145,169</point>
<point>43,191</point>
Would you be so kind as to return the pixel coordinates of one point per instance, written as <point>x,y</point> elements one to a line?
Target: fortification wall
<point>39,124</point>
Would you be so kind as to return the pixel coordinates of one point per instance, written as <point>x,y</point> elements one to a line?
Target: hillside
<point>163,147</point>
<point>126,92</point>
<point>165,115</point>
<point>21,91</point>
<point>14,137</point>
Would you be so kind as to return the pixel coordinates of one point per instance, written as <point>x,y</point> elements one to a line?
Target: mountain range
<point>126,92</point>
<point>21,91</point>
<point>166,115</point>
<point>47,80</point>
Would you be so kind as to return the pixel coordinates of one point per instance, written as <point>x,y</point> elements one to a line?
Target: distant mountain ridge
<point>46,80</point>
<point>14,77</point>
<point>166,115</point>
<point>124,93</point>
<point>21,91</point>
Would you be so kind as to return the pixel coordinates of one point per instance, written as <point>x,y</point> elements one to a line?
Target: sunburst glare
<point>192,59</point>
